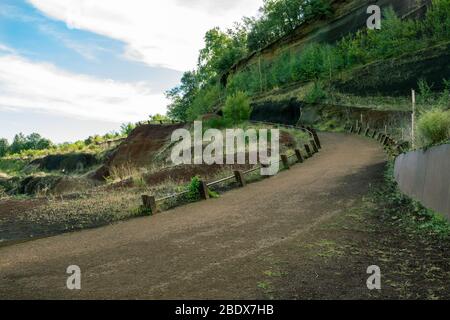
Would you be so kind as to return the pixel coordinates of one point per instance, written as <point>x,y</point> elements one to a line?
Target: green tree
<point>437,21</point>
<point>127,128</point>
<point>237,108</point>
<point>158,117</point>
<point>4,147</point>
<point>222,50</point>
<point>33,141</point>
<point>18,143</point>
<point>182,96</point>
<point>280,17</point>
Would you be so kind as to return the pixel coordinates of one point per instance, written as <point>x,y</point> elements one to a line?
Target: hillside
<point>349,16</point>
<point>332,72</point>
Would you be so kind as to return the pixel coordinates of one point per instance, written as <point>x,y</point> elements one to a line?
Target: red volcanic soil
<point>144,143</point>
<point>139,148</point>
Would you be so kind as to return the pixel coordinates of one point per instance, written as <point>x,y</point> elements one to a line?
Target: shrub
<point>316,94</point>
<point>216,123</point>
<point>205,102</point>
<point>4,147</point>
<point>434,126</point>
<point>127,128</point>
<point>237,108</point>
<point>194,189</point>
<point>437,21</point>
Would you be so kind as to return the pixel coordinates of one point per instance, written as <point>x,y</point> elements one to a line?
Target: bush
<point>205,102</point>
<point>316,94</point>
<point>4,147</point>
<point>237,108</point>
<point>194,189</point>
<point>437,21</point>
<point>127,128</point>
<point>216,123</point>
<point>434,126</point>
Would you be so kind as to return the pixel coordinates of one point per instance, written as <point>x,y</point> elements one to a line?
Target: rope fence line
<point>150,203</point>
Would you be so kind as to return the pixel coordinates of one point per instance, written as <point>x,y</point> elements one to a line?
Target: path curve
<point>206,250</point>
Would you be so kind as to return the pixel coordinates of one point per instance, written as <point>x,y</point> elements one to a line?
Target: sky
<point>74,68</point>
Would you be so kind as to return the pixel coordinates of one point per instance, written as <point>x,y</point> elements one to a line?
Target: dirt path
<point>217,249</point>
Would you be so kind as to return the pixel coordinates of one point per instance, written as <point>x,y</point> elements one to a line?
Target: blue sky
<point>73,68</point>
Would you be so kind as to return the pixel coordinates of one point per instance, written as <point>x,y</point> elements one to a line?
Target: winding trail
<point>207,250</point>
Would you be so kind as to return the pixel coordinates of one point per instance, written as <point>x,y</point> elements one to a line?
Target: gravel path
<point>207,250</point>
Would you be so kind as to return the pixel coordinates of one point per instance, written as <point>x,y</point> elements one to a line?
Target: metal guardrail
<point>151,203</point>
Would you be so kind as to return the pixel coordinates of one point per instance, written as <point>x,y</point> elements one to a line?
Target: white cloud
<point>6,49</point>
<point>88,51</point>
<point>43,87</point>
<point>160,33</point>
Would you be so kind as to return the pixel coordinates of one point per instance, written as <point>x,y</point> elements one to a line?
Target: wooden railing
<point>159,122</point>
<point>389,143</point>
<point>151,203</point>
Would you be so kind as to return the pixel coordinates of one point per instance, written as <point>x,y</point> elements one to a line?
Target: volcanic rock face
<point>139,148</point>
<point>349,17</point>
<point>67,162</point>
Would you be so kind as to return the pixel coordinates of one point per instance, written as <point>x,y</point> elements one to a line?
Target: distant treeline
<point>34,145</point>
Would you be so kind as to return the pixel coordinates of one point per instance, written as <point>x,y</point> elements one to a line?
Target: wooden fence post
<point>240,179</point>
<point>308,151</point>
<point>149,203</point>
<point>285,161</point>
<point>203,190</point>
<point>314,146</point>
<point>316,139</point>
<point>299,156</point>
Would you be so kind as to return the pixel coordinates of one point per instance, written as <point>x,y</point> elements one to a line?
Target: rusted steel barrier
<point>424,175</point>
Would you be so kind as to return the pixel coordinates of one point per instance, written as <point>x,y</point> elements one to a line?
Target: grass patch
<point>12,167</point>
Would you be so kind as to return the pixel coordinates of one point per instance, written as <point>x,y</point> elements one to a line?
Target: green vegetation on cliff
<point>321,64</point>
<point>200,90</point>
